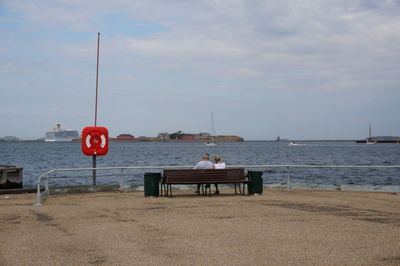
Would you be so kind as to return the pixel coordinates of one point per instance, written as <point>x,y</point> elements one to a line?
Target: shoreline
<point>221,140</point>
<point>183,140</point>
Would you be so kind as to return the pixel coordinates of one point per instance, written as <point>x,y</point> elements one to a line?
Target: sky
<point>304,69</point>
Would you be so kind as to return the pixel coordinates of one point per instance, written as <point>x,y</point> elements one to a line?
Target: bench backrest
<point>194,176</point>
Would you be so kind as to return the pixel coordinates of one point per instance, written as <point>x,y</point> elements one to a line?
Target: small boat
<point>212,143</point>
<point>293,143</point>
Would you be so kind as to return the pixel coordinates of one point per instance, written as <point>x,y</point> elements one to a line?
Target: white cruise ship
<point>61,134</point>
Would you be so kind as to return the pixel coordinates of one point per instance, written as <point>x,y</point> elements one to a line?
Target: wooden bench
<point>207,177</point>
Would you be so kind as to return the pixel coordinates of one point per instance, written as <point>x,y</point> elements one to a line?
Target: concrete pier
<point>302,227</point>
<point>10,176</point>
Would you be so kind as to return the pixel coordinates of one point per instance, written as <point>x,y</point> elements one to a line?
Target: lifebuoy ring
<point>95,140</point>
<point>90,138</point>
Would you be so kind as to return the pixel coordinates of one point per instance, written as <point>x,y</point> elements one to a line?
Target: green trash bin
<point>256,182</point>
<point>151,184</point>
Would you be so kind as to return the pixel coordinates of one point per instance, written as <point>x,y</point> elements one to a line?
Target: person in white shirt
<point>218,165</point>
<point>203,164</point>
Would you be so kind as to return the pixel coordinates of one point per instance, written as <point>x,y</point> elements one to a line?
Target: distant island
<point>381,139</point>
<point>178,136</point>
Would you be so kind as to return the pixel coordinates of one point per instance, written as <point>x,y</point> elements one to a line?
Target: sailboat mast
<point>212,143</point>
<point>369,131</point>
<point>212,122</point>
<point>212,127</point>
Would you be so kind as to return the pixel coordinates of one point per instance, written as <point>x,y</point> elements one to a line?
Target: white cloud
<point>242,72</point>
<point>277,48</point>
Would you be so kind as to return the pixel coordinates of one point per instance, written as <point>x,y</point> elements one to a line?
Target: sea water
<point>37,158</point>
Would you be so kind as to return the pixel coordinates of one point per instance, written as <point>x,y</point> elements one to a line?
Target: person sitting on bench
<point>203,164</point>
<point>218,165</point>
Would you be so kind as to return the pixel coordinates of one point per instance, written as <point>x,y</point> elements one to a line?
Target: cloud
<point>243,73</point>
<point>186,47</point>
<point>215,51</point>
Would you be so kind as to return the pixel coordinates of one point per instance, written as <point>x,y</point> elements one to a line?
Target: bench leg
<point>204,188</point>
<point>170,190</point>
<point>167,191</point>
<point>240,188</point>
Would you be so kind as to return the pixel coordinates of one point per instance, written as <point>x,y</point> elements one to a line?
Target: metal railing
<point>46,192</point>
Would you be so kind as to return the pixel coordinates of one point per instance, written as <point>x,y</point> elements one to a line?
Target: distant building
<point>125,137</point>
<point>181,135</point>
<point>278,139</point>
<point>163,136</point>
<point>187,136</point>
<point>175,135</point>
<point>203,136</point>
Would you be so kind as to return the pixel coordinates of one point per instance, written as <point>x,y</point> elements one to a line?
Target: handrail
<point>315,166</point>
<point>46,192</point>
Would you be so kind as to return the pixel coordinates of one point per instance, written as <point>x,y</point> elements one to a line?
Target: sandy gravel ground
<point>276,228</point>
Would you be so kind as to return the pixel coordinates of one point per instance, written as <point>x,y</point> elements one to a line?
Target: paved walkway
<point>276,228</point>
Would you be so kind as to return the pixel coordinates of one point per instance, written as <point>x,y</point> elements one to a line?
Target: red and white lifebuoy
<point>95,140</point>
